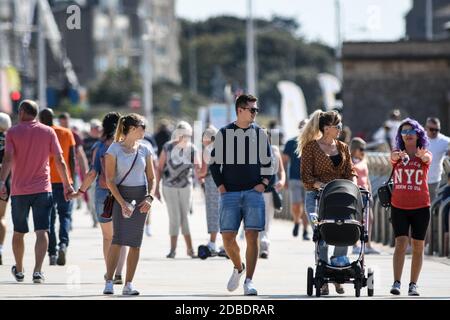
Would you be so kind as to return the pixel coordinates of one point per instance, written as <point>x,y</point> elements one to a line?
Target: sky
<point>374,20</point>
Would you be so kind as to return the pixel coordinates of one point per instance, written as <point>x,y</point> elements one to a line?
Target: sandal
<point>324,290</point>
<point>191,254</point>
<point>339,288</point>
<point>171,255</point>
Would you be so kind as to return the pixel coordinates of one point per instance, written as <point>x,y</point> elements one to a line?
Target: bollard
<point>431,226</point>
<point>441,237</point>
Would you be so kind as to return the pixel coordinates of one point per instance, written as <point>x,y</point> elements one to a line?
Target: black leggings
<point>417,219</point>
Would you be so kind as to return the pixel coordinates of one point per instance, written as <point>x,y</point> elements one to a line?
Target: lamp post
<point>147,59</point>
<point>251,66</point>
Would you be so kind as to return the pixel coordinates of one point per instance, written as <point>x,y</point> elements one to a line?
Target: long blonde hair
<point>314,129</point>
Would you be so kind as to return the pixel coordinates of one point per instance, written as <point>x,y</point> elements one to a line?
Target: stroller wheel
<point>358,286</point>
<point>310,281</point>
<point>370,283</point>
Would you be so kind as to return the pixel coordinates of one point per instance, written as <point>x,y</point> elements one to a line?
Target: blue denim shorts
<point>40,203</point>
<point>310,203</point>
<point>100,196</point>
<point>242,205</point>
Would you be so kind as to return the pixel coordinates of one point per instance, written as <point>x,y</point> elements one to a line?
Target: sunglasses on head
<point>408,132</point>
<point>434,129</point>
<point>252,110</point>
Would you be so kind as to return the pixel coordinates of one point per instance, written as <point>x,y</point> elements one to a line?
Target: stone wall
<point>411,76</point>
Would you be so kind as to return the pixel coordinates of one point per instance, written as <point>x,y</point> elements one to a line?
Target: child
<point>358,148</point>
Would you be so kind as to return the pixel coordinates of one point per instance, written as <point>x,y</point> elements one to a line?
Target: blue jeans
<point>242,205</point>
<point>64,209</point>
<point>41,203</point>
<point>310,207</point>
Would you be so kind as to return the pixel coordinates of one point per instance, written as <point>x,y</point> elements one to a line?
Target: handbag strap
<point>392,172</point>
<point>132,165</point>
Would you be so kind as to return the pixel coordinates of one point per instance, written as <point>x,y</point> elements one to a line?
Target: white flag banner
<point>330,85</point>
<point>293,108</point>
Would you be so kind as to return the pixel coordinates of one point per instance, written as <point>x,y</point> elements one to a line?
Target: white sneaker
<point>128,290</point>
<point>148,230</point>
<point>249,288</point>
<point>212,246</point>
<point>233,283</point>
<point>109,287</point>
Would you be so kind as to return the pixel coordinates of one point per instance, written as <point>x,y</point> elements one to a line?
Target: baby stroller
<point>343,210</point>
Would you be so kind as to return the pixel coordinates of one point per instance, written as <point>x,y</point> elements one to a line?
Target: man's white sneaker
<point>233,283</point>
<point>249,288</point>
<point>128,290</point>
<point>109,287</point>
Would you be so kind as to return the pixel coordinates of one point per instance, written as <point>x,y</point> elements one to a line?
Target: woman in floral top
<point>324,158</point>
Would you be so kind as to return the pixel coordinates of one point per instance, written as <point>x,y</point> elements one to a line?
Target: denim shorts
<point>310,203</point>
<point>296,191</point>
<point>242,205</point>
<point>100,196</point>
<point>40,203</point>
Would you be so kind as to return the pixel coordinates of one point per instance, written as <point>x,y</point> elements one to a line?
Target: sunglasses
<point>362,149</point>
<point>338,126</point>
<point>252,110</point>
<point>434,129</point>
<point>408,132</point>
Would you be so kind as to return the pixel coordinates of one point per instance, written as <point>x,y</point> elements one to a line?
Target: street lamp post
<point>147,58</point>
<point>42,72</point>
<point>251,66</point>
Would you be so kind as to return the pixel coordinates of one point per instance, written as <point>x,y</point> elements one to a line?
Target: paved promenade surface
<point>282,276</point>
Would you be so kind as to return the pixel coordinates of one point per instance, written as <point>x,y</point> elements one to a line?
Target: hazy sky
<point>361,19</point>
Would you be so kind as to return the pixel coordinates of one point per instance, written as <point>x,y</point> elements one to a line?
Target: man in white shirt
<point>439,147</point>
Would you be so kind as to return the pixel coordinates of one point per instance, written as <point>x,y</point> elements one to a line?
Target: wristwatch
<point>264,183</point>
<point>150,197</point>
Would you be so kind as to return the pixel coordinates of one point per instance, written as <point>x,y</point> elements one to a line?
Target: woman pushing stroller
<point>324,158</point>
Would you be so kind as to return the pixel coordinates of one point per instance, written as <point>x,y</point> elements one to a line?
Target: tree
<point>116,87</point>
<point>282,54</point>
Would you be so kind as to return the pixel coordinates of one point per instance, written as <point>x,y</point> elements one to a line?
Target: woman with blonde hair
<point>130,178</point>
<point>324,159</point>
<point>177,161</point>
<point>5,124</point>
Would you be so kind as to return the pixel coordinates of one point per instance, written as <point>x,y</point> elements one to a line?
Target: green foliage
<point>116,87</point>
<point>282,54</point>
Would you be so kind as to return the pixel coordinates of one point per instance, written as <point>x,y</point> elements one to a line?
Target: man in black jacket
<point>241,168</point>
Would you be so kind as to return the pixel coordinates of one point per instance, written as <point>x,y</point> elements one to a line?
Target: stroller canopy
<point>340,200</point>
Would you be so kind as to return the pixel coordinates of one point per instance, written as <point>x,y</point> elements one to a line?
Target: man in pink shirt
<point>28,147</point>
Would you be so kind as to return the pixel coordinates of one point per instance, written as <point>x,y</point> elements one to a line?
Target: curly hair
<point>422,139</point>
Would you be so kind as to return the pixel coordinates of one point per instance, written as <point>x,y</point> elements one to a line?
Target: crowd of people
<point>242,174</point>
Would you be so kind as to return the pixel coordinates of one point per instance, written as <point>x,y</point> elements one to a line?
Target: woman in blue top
<point>96,173</point>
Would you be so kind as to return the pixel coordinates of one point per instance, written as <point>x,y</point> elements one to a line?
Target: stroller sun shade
<point>340,200</point>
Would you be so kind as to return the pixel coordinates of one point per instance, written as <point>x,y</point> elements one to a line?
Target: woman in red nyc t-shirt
<point>410,208</point>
